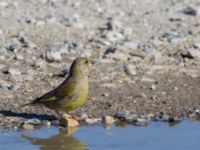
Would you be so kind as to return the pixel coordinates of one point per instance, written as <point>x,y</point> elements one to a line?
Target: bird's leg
<point>59,113</point>
<point>74,117</point>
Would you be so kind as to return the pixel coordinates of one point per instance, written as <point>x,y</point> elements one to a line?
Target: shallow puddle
<point>156,136</point>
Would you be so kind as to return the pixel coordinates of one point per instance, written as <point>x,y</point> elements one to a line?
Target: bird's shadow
<point>9,113</point>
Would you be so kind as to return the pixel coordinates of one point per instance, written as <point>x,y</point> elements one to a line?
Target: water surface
<point>156,136</point>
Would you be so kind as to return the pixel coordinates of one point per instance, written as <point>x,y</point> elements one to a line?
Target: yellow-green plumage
<point>73,92</point>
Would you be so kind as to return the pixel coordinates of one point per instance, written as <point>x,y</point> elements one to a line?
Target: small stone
<point>151,117</point>
<point>14,47</point>
<point>176,88</point>
<point>197,111</point>
<point>23,40</point>
<point>130,69</point>
<point>2,52</point>
<point>113,36</point>
<point>84,116</point>
<point>68,121</point>
<point>192,53</point>
<point>193,116</point>
<point>92,121</point>
<point>14,72</point>
<point>108,120</point>
<point>4,84</point>
<point>130,45</point>
<point>153,87</point>
<point>3,4</point>
<point>141,122</point>
<point>131,118</point>
<point>190,11</point>
<point>28,127</point>
<point>50,19</point>
<point>147,79</point>
<point>105,94</point>
<point>122,115</point>
<point>113,24</point>
<point>52,56</point>
<point>40,23</point>
<point>13,87</point>
<point>164,117</point>
<point>174,119</point>
<point>110,50</point>
<point>33,121</point>
<point>31,45</point>
<point>67,22</point>
<point>48,123</point>
<point>19,57</point>
<point>78,44</point>
<point>64,49</point>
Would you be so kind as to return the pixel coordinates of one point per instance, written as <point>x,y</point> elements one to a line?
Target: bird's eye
<point>86,62</point>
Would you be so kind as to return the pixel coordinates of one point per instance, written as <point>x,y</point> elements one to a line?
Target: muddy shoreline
<point>147,54</point>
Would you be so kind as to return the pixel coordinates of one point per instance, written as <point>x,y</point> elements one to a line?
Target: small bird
<point>72,92</point>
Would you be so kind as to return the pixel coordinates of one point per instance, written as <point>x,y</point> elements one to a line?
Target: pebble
<point>40,23</point>
<point>14,72</point>
<point>113,24</point>
<point>147,79</point>
<point>2,52</point>
<point>151,117</point>
<point>52,56</point>
<point>83,117</point>
<point>92,120</point>
<point>14,47</point>
<point>13,87</point>
<point>123,115</point>
<point>110,50</point>
<point>108,120</point>
<point>153,87</point>
<point>33,121</point>
<point>28,127</point>
<point>193,53</point>
<point>4,84</point>
<point>141,122</point>
<point>190,11</point>
<point>67,22</point>
<point>113,36</point>
<point>3,4</point>
<point>130,69</point>
<point>23,40</point>
<point>31,45</point>
<point>48,123</point>
<point>105,94</point>
<point>68,121</point>
<point>78,44</point>
<point>163,117</point>
<point>19,57</point>
<point>129,45</point>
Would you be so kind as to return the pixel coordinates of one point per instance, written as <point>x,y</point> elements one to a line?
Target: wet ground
<point>148,55</point>
<point>156,136</point>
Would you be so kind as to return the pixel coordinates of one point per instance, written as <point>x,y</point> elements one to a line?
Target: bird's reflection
<point>62,141</point>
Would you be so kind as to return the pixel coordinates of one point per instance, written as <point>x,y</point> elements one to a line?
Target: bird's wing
<point>65,90</point>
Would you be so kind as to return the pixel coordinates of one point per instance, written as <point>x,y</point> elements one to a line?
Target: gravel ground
<point>147,53</point>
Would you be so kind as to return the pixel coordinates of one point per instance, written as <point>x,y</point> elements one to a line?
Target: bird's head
<point>80,67</point>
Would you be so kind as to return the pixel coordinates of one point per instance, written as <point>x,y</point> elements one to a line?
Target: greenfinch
<point>72,92</point>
